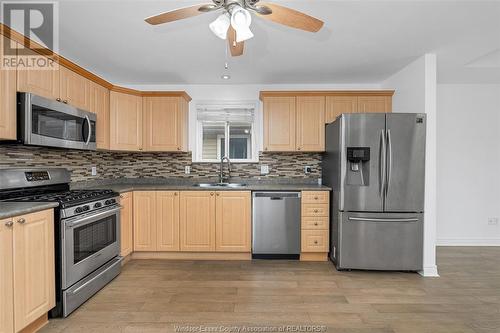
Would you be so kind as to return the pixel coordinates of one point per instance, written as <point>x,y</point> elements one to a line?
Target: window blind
<point>230,114</point>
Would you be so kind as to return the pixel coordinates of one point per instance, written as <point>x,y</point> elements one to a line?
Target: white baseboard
<point>468,242</point>
<point>431,271</point>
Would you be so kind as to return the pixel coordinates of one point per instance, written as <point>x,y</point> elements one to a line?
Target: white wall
<point>415,87</point>
<point>468,170</point>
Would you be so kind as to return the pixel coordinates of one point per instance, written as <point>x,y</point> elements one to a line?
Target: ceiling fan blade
<point>292,18</point>
<point>180,14</point>
<point>235,47</point>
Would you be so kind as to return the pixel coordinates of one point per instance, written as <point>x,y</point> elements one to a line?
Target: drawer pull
<point>315,210</point>
<point>21,221</point>
<point>212,193</point>
<point>315,223</point>
<point>9,224</point>
<point>316,242</point>
<point>315,198</point>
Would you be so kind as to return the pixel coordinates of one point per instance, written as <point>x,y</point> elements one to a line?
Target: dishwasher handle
<point>276,195</point>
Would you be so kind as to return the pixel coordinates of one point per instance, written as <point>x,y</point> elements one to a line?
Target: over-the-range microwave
<point>45,122</point>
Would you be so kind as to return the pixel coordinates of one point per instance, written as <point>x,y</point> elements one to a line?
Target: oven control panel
<point>36,176</point>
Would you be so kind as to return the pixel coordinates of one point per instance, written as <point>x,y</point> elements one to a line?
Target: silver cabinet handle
<point>9,224</point>
<point>21,221</point>
<point>389,161</point>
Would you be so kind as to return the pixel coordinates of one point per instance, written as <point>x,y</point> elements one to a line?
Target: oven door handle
<point>78,222</point>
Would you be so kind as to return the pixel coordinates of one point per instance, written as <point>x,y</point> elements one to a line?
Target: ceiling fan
<point>234,23</point>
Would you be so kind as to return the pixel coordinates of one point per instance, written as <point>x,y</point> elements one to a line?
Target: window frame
<point>255,133</point>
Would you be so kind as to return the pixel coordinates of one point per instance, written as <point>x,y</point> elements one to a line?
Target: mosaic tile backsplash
<point>112,165</point>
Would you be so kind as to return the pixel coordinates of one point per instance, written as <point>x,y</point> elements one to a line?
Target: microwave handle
<point>90,130</point>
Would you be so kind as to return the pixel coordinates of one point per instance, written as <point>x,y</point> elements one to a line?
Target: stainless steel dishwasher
<point>276,225</point>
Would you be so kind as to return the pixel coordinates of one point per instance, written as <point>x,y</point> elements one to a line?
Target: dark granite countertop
<point>128,185</point>
<point>10,209</point>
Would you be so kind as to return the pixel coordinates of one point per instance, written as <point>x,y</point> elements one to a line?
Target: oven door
<point>51,123</point>
<point>89,241</point>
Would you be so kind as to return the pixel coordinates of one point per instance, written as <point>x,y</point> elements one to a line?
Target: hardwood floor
<point>157,295</point>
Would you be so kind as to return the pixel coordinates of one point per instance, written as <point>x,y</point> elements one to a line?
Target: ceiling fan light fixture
<point>220,25</point>
<point>240,21</point>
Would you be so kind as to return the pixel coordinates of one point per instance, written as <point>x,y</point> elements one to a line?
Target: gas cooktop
<point>68,198</point>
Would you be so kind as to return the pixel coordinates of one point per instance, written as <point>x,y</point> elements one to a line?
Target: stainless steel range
<point>87,231</point>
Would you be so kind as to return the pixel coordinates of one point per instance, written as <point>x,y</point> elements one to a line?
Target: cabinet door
<point>99,104</point>
<point>42,82</point>
<point>310,123</point>
<point>144,221</point>
<point>279,123</point>
<point>75,89</point>
<point>7,98</point>
<point>126,226</point>
<point>165,124</point>
<point>167,221</point>
<point>197,221</point>
<point>336,105</point>
<point>125,122</point>
<point>232,226</point>
<point>6,275</point>
<point>34,267</point>
<point>380,104</point>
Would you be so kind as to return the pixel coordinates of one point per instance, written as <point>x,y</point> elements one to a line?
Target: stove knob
<point>86,208</point>
<point>107,202</point>
<point>113,201</point>
<point>98,205</point>
<point>78,210</point>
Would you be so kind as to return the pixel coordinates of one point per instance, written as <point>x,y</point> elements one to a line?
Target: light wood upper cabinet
<point>145,221</point>
<point>99,104</point>
<point>7,98</point>
<point>42,82</point>
<point>165,123</point>
<point>336,105</point>
<point>125,122</point>
<point>167,219</point>
<point>380,104</point>
<point>310,123</point>
<point>126,224</point>
<point>233,226</point>
<point>197,221</point>
<point>74,89</point>
<point>279,123</point>
<point>34,267</point>
<point>6,277</point>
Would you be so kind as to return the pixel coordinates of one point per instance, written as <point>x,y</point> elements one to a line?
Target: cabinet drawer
<point>315,223</point>
<point>315,209</point>
<point>315,197</point>
<point>314,240</point>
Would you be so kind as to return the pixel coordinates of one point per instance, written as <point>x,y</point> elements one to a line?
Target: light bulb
<point>240,21</point>
<point>220,25</point>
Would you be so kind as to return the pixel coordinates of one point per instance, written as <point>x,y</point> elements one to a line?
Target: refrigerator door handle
<point>369,219</point>
<point>382,159</point>
<point>389,161</point>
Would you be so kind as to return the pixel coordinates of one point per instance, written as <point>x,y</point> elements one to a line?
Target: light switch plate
<point>264,169</point>
<point>187,169</point>
<point>94,171</point>
<point>493,221</point>
<point>307,169</point>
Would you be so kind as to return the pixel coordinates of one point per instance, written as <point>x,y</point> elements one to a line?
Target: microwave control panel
<point>35,176</point>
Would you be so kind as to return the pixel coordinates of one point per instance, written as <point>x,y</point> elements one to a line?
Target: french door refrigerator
<point>375,164</point>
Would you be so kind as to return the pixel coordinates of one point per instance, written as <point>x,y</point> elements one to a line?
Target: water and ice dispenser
<point>358,166</point>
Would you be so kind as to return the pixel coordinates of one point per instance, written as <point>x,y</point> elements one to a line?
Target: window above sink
<point>230,129</point>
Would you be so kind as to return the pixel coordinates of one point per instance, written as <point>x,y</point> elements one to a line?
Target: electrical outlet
<point>94,171</point>
<point>264,169</point>
<point>187,169</point>
<point>307,169</point>
<point>493,221</point>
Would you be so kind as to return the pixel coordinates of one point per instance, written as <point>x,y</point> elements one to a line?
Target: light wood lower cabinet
<point>315,229</point>
<point>167,221</point>
<point>197,221</point>
<point>27,285</point>
<point>7,98</point>
<point>189,221</point>
<point>126,226</point>
<point>233,221</point>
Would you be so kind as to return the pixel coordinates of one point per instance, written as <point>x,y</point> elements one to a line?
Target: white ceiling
<point>361,42</point>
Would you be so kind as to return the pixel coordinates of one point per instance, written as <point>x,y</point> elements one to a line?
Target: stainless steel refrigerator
<point>375,164</point>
